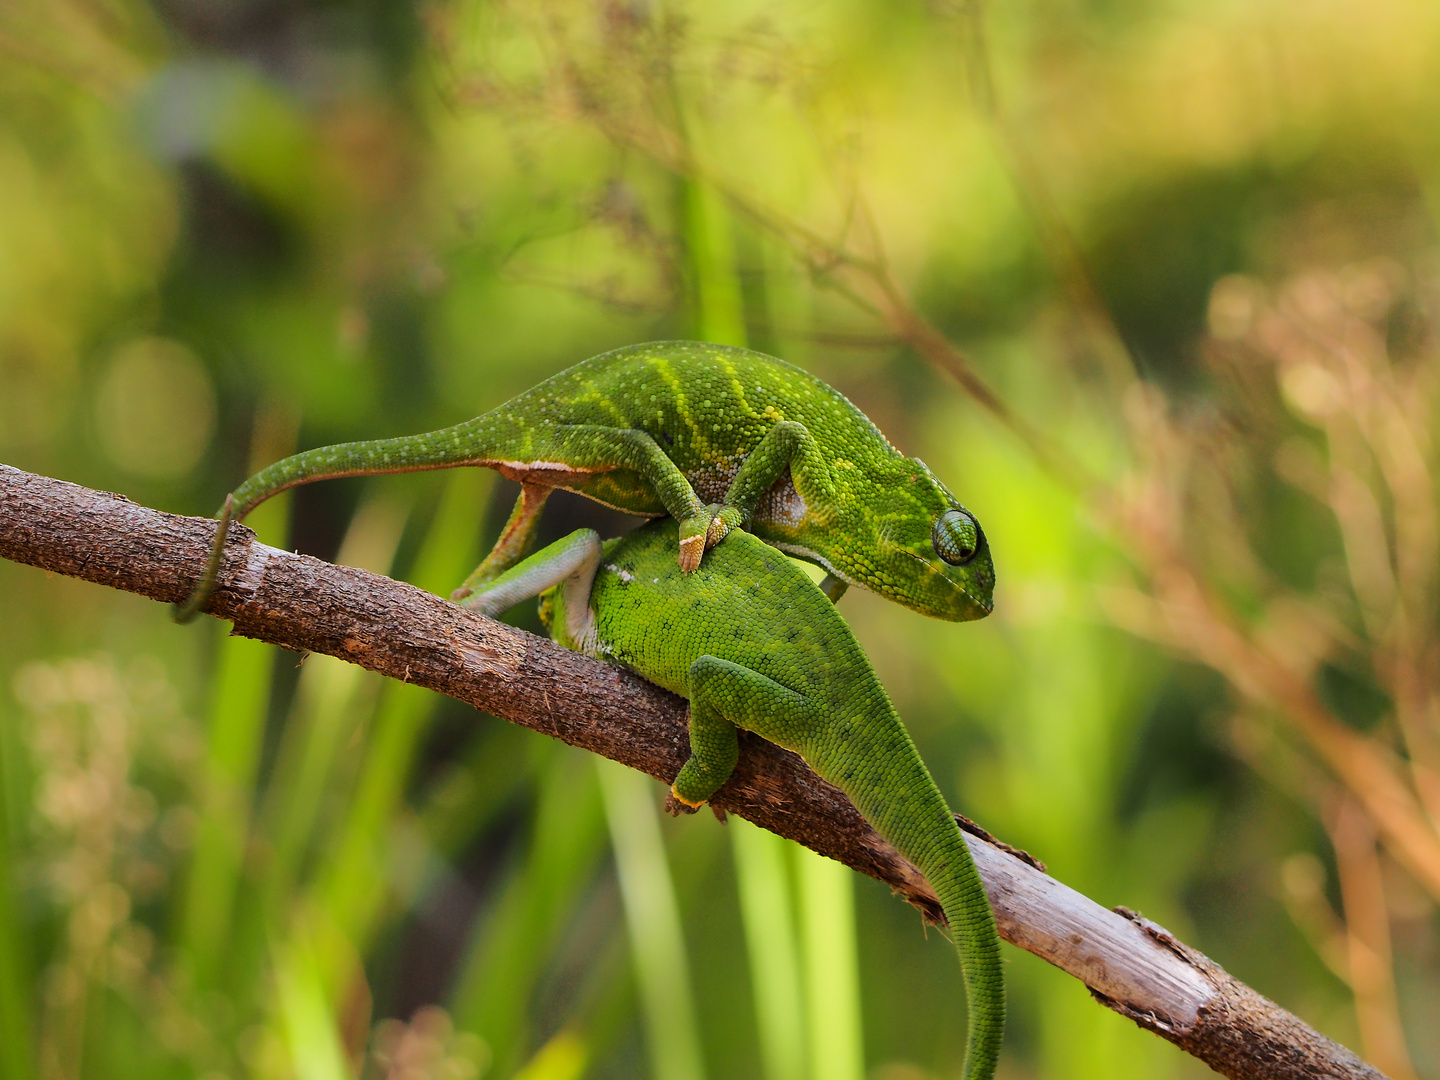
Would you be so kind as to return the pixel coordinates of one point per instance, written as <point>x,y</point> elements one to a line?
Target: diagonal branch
<point>1129,964</point>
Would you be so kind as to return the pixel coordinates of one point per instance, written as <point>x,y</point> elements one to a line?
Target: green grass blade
<point>565,1057</point>
<point>496,986</point>
<point>354,881</point>
<point>307,1022</point>
<point>328,705</point>
<point>238,709</point>
<point>16,1024</point>
<point>717,303</point>
<point>652,917</point>
<point>239,706</point>
<point>832,971</point>
<point>767,908</point>
<point>719,306</point>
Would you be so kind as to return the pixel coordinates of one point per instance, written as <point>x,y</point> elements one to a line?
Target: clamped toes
<point>725,518</point>
<point>693,534</point>
<point>700,533</point>
<point>675,806</point>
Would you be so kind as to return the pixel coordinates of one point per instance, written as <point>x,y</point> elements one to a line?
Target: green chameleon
<point>753,644</point>
<point>714,436</point>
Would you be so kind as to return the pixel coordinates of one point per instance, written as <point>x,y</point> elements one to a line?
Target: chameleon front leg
<point>515,539</point>
<point>788,444</point>
<point>701,526</point>
<point>725,696</point>
<point>570,563</point>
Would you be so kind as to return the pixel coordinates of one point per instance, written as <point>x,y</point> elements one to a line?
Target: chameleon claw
<point>698,534</point>
<point>692,549</point>
<point>693,533</point>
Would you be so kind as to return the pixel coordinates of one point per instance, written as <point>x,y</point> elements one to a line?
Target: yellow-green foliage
<point>1190,247</point>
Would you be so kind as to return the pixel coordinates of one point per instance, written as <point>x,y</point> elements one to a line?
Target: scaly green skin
<point>714,436</point>
<point>753,644</point>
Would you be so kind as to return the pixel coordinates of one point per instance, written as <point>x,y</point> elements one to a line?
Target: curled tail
<point>952,874</point>
<point>443,449</point>
<point>880,769</point>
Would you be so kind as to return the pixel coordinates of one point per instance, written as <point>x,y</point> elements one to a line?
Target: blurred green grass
<point>230,230</point>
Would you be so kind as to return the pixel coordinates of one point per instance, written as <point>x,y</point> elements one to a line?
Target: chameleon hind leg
<point>514,543</point>
<point>570,563</point>
<point>725,696</point>
<point>593,447</point>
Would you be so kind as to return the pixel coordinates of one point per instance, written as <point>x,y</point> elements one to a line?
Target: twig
<point>1130,964</point>
<point>1367,938</point>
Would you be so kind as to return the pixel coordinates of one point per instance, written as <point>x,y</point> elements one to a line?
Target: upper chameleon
<point>715,436</point>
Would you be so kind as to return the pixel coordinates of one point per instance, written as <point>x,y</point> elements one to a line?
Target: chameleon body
<point>753,644</point>
<point>714,436</point>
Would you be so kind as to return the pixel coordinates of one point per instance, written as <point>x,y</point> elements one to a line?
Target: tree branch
<point>1130,964</point>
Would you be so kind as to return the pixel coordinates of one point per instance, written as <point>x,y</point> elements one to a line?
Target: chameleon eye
<point>956,537</point>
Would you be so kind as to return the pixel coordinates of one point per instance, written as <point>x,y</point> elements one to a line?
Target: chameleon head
<point>929,552</point>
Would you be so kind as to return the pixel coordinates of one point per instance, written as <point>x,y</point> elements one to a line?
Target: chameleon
<point>715,436</point>
<point>752,644</point>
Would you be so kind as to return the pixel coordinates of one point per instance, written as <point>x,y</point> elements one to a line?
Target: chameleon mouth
<point>986,606</point>
<point>806,553</point>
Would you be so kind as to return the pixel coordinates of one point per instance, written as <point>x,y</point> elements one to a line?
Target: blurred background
<point>1153,285</point>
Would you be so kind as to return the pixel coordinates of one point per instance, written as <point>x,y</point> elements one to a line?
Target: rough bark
<point>1130,964</point>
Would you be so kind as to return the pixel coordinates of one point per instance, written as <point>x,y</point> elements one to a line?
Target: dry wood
<point>302,603</point>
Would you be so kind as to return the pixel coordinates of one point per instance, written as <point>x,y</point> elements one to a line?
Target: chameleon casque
<point>753,644</point>
<point>716,437</point>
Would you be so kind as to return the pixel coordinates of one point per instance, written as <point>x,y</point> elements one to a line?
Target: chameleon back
<point>706,405</point>
<point>657,621</point>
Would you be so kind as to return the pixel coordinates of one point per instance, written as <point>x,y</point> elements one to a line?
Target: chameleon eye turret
<point>956,537</point>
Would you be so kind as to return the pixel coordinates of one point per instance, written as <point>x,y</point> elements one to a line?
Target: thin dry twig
<point>1130,964</point>
<point>1367,939</point>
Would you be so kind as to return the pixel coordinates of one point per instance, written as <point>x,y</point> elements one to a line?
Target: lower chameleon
<point>752,644</point>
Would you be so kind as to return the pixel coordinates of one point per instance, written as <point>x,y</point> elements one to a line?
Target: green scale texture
<point>665,428</point>
<point>753,644</point>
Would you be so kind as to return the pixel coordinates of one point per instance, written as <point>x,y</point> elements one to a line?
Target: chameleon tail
<point>972,924</point>
<point>896,794</point>
<point>443,449</point>
<point>183,613</point>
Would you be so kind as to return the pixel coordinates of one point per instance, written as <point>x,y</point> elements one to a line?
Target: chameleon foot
<point>725,519</point>
<point>676,806</point>
<point>693,532</point>
<point>700,533</point>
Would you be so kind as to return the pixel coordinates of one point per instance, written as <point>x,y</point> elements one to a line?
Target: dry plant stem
<point>1189,618</point>
<point>301,603</point>
<point>1367,938</point>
